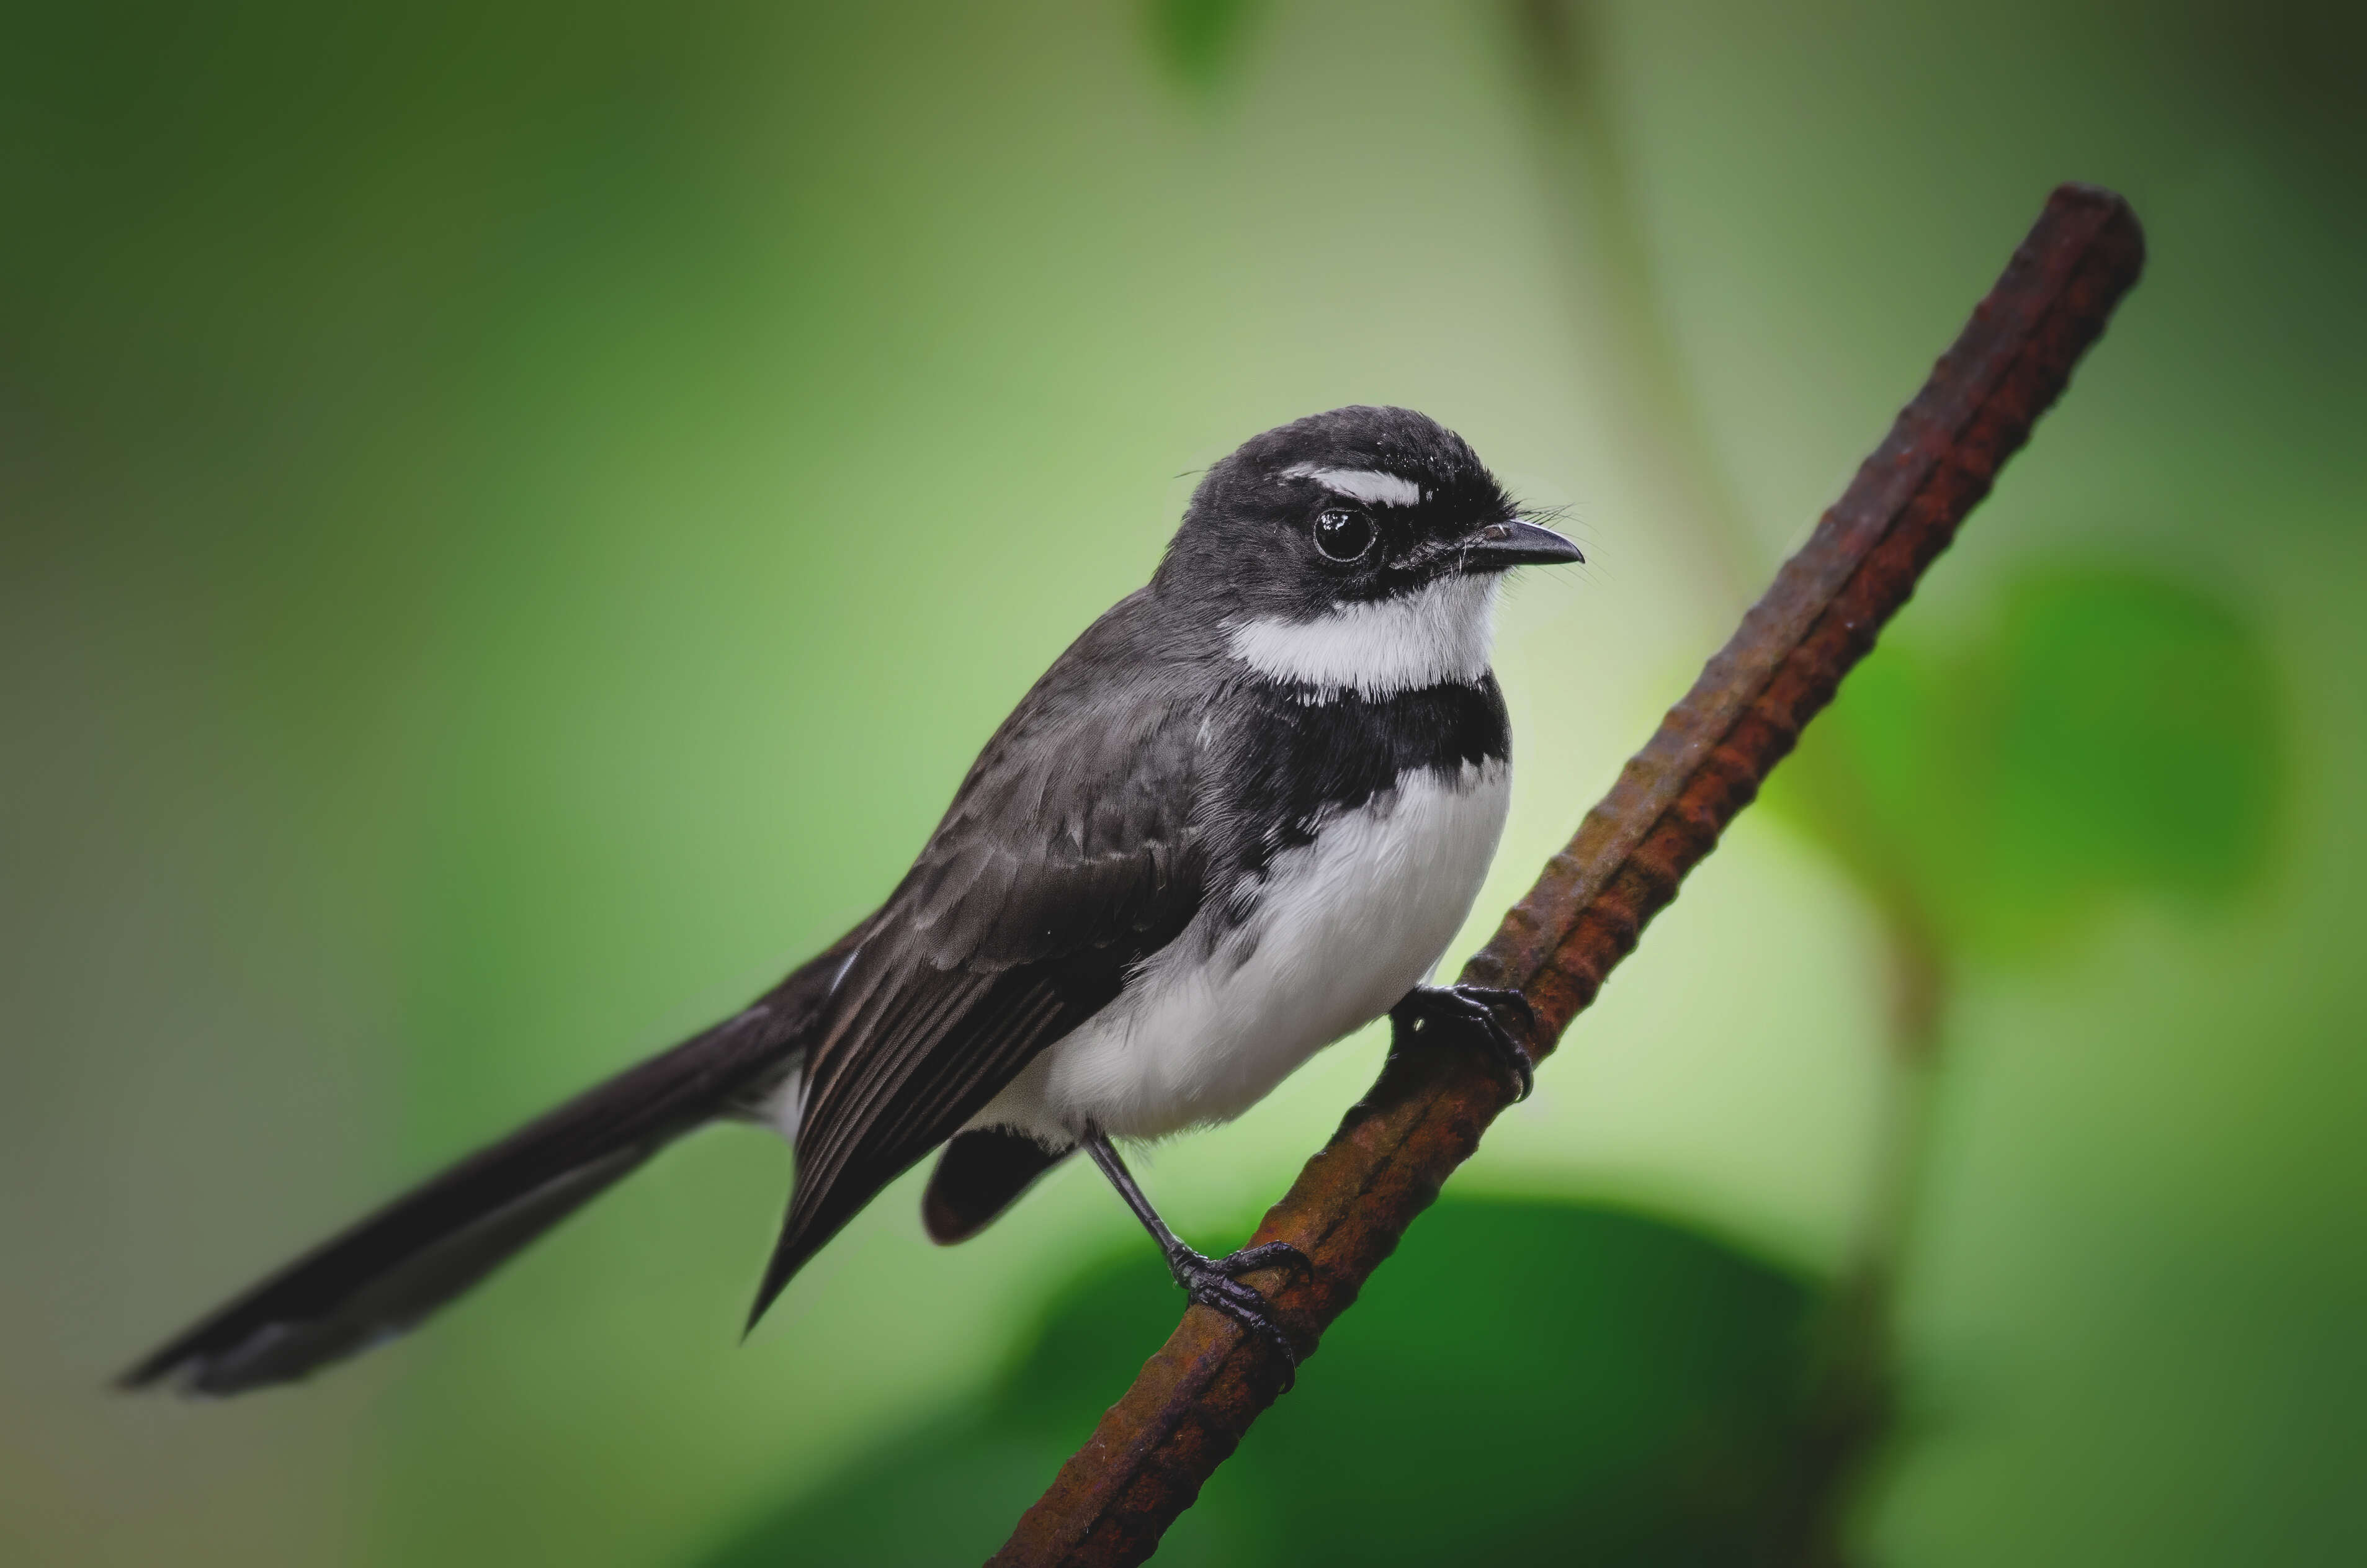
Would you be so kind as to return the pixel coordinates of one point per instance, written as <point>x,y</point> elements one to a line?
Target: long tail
<point>399,1265</point>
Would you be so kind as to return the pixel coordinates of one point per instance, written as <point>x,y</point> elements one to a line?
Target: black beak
<point>1500,546</point>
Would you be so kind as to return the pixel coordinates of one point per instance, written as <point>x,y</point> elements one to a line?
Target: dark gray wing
<point>1068,855</point>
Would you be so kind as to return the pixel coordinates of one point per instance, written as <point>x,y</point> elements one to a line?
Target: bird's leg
<point>1211,1282</point>
<point>1468,1013</point>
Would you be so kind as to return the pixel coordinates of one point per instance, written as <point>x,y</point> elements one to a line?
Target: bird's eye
<point>1343,535</point>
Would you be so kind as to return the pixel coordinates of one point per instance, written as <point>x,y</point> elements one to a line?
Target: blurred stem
<point>1851,1405</point>
<point>1918,982</point>
<point>1658,422</point>
<point>1619,313</point>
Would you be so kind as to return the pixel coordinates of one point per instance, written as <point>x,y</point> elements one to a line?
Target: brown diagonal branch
<point>1188,1410</point>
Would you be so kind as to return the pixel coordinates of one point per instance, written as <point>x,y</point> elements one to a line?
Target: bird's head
<point>1359,548</point>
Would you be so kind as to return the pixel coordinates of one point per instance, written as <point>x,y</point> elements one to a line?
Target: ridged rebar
<point>1188,1410</point>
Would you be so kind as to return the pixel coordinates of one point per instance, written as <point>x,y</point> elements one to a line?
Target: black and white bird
<point>1240,818</point>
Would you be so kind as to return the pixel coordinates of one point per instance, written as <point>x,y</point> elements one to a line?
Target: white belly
<point>1343,929</point>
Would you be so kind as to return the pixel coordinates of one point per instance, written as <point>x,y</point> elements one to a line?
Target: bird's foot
<point>1215,1282</point>
<point>1469,1011</point>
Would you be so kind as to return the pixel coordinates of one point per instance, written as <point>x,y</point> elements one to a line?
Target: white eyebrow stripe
<point>1370,485</point>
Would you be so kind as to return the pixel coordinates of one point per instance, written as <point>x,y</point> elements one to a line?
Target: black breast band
<point>1307,756</point>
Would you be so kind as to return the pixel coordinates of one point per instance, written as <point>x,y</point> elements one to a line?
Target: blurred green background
<point>515,521</point>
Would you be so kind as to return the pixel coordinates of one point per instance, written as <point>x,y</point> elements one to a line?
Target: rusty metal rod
<point>1188,1408</point>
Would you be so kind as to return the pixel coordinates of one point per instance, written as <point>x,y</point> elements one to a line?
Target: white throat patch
<point>1442,633</point>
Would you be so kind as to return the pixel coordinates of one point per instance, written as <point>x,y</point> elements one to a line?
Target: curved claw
<point>1210,1282</point>
<point>1265,1255</point>
<point>1474,1008</point>
<point>1494,996</point>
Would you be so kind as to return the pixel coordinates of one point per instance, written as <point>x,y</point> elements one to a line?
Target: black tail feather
<point>399,1265</point>
<point>978,1176</point>
<point>365,1287</point>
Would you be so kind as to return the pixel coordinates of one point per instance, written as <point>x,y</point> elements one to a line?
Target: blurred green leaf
<point>1525,1382</point>
<point>1201,40</point>
<point>2109,735</point>
<point>949,1493</point>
